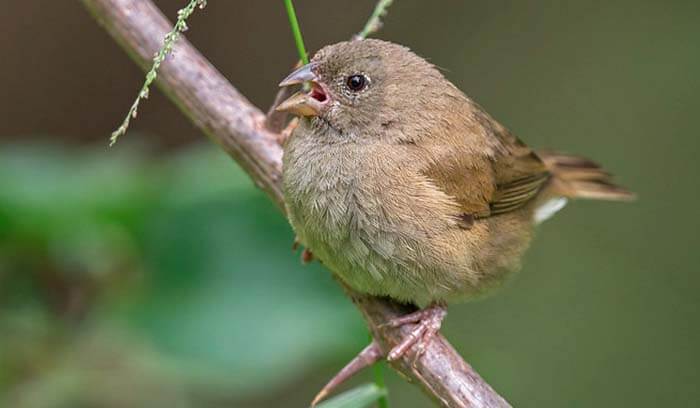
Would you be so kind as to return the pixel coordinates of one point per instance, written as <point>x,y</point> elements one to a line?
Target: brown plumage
<point>407,188</point>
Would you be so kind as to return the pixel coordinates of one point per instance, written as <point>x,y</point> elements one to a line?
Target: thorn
<point>368,356</point>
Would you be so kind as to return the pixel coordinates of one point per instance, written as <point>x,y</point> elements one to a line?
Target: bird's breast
<point>321,186</point>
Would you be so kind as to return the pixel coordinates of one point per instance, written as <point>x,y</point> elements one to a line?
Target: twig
<point>229,119</point>
<point>170,38</point>
<point>374,23</point>
<point>275,120</point>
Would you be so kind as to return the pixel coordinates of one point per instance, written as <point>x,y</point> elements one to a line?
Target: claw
<point>368,356</point>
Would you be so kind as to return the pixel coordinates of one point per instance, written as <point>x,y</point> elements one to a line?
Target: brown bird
<point>406,188</point>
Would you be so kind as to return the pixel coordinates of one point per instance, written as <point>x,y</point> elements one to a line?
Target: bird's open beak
<point>304,103</point>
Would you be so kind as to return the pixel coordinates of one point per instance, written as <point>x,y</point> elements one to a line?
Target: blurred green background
<point>154,274</point>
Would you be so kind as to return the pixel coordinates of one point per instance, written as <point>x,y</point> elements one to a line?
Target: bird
<point>408,189</point>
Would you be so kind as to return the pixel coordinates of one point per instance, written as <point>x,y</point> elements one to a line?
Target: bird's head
<point>366,87</point>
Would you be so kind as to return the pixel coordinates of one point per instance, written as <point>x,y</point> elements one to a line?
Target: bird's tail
<point>578,177</point>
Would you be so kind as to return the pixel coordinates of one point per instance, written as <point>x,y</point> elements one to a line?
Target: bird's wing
<point>519,174</point>
<point>501,176</point>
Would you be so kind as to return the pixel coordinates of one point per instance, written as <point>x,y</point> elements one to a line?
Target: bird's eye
<point>356,82</point>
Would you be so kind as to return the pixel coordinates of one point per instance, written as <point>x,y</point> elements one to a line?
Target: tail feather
<point>578,177</point>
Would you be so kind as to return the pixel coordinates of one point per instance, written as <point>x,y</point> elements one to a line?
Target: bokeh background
<point>154,274</point>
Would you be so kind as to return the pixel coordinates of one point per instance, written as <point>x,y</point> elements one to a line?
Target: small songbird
<point>406,188</point>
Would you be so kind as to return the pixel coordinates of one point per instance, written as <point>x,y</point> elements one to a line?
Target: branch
<point>231,121</point>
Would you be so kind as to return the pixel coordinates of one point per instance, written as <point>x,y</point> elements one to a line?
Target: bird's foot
<point>306,254</point>
<point>427,323</point>
<point>370,355</point>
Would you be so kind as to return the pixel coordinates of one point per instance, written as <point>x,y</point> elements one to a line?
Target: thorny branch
<point>231,121</point>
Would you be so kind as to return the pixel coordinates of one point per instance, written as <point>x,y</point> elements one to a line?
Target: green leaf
<point>359,397</point>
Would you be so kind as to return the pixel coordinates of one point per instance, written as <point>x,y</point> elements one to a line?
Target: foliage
<point>359,397</point>
<point>177,270</point>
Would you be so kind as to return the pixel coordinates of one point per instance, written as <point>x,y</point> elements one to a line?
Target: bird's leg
<point>370,355</point>
<point>427,322</point>
<point>306,254</point>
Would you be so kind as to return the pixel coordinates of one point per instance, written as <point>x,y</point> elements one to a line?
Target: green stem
<point>373,24</point>
<point>378,368</point>
<point>298,40</point>
<point>382,402</point>
<point>375,20</point>
<point>168,43</point>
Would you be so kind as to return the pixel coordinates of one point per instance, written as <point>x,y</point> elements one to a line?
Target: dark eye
<point>356,82</point>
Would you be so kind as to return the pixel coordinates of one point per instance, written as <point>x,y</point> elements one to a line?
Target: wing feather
<point>501,177</point>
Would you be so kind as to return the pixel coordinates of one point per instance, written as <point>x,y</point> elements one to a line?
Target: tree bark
<point>231,121</point>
